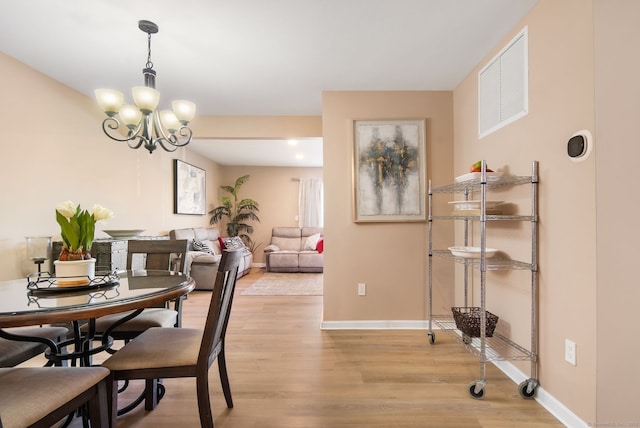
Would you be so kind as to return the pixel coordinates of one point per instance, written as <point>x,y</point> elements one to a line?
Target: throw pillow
<point>311,242</point>
<point>320,245</point>
<point>232,243</point>
<point>201,246</point>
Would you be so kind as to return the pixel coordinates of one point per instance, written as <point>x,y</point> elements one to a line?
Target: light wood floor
<point>286,372</point>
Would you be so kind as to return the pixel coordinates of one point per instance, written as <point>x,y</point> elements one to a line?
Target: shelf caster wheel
<point>476,389</point>
<point>466,339</point>
<point>527,389</point>
<point>432,337</point>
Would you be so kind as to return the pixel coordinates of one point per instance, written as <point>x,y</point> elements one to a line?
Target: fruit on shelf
<point>477,167</point>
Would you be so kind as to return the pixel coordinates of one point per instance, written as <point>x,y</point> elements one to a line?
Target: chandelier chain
<point>149,63</point>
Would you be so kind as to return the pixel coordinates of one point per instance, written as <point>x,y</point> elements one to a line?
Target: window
<point>310,206</point>
<point>503,87</point>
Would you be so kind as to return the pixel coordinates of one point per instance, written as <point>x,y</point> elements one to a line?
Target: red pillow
<point>320,245</point>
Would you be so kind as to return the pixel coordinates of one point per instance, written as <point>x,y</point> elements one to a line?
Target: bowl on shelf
<point>491,176</point>
<point>124,233</point>
<point>474,205</point>
<point>472,252</point>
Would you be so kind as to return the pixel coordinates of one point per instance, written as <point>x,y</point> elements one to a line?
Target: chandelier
<point>145,125</point>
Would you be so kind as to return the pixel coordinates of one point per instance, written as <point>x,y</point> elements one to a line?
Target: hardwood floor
<point>286,372</point>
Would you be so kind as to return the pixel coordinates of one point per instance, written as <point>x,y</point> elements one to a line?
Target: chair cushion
<point>13,352</point>
<point>150,317</point>
<point>310,259</point>
<point>283,259</point>
<point>27,394</point>
<point>157,348</point>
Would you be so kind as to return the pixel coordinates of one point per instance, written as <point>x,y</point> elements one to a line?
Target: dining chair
<point>14,352</point>
<point>160,255</point>
<point>184,352</point>
<point>40,397</point>
<point>167,254</point>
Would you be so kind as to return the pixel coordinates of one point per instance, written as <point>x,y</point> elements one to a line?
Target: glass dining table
<point>39,300</point>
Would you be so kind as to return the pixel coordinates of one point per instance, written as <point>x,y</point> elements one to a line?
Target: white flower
<point>67,209</point>
<point>101,213</point>
<point>77,228</point>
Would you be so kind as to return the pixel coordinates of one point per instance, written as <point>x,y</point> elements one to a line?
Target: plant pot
<point>74,272</point>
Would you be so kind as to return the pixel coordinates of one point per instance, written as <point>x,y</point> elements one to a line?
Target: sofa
<point>204,254</point>
<point>295,249</point>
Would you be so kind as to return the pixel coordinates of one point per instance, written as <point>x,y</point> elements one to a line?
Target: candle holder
<point>38,250</point>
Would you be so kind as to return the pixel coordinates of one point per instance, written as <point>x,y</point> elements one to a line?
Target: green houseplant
<point>237,213</point>
<point>77,228</point>
<point>75,266</point>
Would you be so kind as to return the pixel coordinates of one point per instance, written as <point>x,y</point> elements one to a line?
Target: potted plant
<point>77,228</point>
<point>237,213</point>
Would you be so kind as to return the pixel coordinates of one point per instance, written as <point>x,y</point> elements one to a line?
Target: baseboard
<point>259,265</point>
<point>546,400</point>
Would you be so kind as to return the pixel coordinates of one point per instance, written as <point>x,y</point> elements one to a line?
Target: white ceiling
<point>257,57</point>
<point>302,152</point>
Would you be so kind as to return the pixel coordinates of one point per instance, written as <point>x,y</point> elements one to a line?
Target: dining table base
<point>84,344</point>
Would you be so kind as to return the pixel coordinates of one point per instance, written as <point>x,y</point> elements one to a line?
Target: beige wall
<point>561,101</point>
<point>388,257</point>
<point>617,111</point>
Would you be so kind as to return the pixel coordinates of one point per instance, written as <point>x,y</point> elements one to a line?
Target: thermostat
<point>580,145</point>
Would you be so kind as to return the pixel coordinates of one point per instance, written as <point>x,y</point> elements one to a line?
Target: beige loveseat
<point>294,249</point>
<point>202,265</point>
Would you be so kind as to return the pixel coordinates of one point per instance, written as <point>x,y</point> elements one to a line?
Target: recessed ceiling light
<point>299,156</point>
<point>293,142</point>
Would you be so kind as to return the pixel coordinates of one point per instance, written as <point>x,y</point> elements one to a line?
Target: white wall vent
<point>503,86</point>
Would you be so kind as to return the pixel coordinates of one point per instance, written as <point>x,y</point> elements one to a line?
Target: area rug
<point>286,284</point>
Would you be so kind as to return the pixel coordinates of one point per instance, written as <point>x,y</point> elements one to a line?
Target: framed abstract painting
<point>389,169</point>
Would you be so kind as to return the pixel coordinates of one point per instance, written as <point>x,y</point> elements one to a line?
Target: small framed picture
<point>189,189</point>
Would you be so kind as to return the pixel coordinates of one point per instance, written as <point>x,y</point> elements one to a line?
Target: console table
<point>110,254</point>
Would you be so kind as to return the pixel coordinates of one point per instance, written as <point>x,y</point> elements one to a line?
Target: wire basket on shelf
<point>468,321</point>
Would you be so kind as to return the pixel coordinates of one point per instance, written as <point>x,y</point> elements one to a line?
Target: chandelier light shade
<point>145,125</point>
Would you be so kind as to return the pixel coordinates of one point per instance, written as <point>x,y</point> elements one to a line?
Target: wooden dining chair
<point>16,351</point>
<point>167,254</point>
<point>182,352</point>
<point>160,255</point>
<point>40,397</point>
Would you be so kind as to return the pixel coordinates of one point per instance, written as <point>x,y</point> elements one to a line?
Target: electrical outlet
<point>362,289</point>
<point>570,352</point>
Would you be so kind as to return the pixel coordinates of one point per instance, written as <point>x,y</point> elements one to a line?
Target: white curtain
<point>310,207</point>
